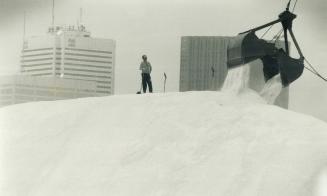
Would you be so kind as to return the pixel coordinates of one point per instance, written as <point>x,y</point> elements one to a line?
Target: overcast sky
<point>154,27</point>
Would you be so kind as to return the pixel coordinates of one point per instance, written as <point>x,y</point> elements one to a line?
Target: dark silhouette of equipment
<point>247,47</point>
<point>165,76</point>
<point>212,72</point>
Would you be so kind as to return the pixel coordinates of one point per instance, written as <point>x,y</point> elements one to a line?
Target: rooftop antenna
<point>81,14</point>
<point>24,45</point>
<point>81,26</point>
<point>53,14</point>
<point>24,31</point>
<point>80,17</point>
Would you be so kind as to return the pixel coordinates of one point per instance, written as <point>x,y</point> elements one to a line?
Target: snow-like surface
<point>195,143</point>
<point>272,89</point>
<point>237,79</point>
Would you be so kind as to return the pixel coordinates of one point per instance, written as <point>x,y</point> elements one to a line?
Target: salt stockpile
<point>195,143</point>
<point>237,82</point>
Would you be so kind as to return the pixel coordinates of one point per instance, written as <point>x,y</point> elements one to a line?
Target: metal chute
<point>247,47</point>
<point>290,69</point>
<point>244,49</point>
<point>270,66</point>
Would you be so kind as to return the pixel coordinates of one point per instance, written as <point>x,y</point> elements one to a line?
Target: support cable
<point>288,5</point>
<point>266,31</point>
<point>277,36</point>
<point>314,71</point>
<point>294,6</point>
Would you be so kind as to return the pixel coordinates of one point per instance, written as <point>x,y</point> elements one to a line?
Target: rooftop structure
<point>71,53</point>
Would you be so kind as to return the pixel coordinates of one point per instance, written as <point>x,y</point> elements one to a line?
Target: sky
<point>155,27</point>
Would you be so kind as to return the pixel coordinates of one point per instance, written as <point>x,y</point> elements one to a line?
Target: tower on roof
<point>70,52</point>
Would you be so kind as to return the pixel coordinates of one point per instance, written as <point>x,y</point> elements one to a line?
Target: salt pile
<point>237,79</point>
<point>237,82</point>
<point>195,143</point>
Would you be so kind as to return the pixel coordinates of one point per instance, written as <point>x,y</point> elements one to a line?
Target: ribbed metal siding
<point>198,56</point>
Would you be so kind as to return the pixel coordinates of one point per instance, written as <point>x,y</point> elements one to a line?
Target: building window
<point>25,45</point>
<point>71,42</point>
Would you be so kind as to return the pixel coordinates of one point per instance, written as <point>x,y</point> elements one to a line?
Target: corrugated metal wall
<point>203,63</point>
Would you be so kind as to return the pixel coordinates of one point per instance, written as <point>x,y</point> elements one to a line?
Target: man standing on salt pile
<point>146,71</point>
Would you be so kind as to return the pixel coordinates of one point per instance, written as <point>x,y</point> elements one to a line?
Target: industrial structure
<point>204,66</point>
<point>199,55</point>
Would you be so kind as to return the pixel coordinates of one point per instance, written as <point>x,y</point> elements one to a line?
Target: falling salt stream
<point>272,89</point>
<point>237,81</point>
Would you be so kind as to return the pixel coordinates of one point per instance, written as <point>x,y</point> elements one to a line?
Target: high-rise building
<point>71,53</point>
<point>203,66</point>
<point>21,89</point>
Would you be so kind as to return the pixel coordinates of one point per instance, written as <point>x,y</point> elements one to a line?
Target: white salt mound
<point>237,79</point>
<point>237,83</point>
<point>272,89</point>
<point>195,143</point>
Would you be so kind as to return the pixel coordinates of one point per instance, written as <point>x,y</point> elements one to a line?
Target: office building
<point>21,89</point>
<point>71,53</point>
